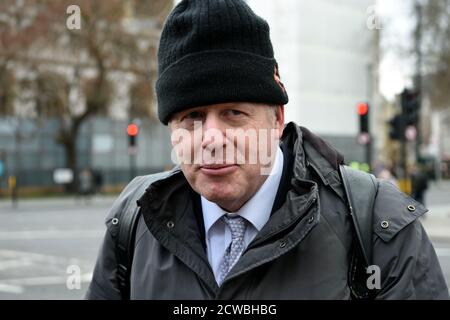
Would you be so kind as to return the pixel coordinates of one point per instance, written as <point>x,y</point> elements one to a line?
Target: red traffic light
<point>132,130</point>
<point>362,108</point>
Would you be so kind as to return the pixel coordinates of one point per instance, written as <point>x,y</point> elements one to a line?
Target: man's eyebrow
<point>194,109</point>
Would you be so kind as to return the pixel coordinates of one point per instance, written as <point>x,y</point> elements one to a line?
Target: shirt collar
<point>256,210</point>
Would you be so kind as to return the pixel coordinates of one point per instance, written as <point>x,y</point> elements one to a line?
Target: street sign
<point>363,138</point>
<point>411,133</point>
<point>132,150</point>
<point>102,143</point>
<point>63,176</point>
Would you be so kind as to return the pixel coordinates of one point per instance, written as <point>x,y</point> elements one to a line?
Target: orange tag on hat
<point>276,76</point>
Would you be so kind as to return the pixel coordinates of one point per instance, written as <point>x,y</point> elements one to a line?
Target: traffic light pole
<point>403,158</point>
<point>132,131</point>
<point>418,84</point>
<point>132,165</point>
<point>365,138</point>
<point>369,152</point>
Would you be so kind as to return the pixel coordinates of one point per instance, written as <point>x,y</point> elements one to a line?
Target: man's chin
<point>218,196</point>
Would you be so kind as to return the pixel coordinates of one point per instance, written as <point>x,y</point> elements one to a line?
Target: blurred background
<point>78,114</point>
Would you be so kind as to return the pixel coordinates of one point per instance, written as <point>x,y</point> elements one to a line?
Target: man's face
<point>226,150</point>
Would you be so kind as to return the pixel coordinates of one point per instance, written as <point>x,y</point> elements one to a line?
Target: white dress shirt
<point>256,211</point>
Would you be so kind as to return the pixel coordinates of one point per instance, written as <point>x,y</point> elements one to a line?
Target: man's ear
<point>279,114</point>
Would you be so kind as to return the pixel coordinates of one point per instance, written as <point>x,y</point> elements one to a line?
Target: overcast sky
<point>397,23</point>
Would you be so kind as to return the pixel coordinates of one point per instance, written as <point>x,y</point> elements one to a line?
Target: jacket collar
<point>316,154</point>
<point>309,148</point>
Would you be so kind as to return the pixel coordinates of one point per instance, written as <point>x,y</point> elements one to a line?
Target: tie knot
<point>237,226</point>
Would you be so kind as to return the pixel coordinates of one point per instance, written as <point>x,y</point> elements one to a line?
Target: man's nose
<point>213,127</point>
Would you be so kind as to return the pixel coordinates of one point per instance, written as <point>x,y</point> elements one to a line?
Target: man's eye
<point>235,112</point>
<point>193,115</point>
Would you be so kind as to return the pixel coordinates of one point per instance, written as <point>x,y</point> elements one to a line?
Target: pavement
<point>437,220</point>
<point>48,247</point>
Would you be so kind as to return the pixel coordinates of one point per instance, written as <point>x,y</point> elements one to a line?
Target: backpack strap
<point>126,223</point>
<point>125,247</point>
<point>361,189</point>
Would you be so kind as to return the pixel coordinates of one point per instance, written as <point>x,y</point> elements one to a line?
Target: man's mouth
<point>218,169</point>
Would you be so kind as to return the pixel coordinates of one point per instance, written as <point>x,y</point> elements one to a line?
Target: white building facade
<point>326,51</point>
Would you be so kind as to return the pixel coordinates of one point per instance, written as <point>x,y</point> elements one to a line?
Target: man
<point>246,216</point>
<point>419,183</point>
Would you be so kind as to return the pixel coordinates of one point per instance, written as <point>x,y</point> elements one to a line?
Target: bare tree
<point>435,46</point>
<point>20,26</point>
<point>65,63</point>
<point>141,99</point>
<point>7,92</point>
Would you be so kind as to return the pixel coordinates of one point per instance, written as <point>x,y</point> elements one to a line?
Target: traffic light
<point>363,112</point>
<point>364,137</point>
<point>410,101</point>
<point>396,130</point>
<point>132,131</point>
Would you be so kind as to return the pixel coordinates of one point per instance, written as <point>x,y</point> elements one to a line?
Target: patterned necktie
<point>237,225</point>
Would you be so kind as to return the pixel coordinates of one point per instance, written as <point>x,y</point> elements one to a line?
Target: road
<point>437,222</point>
<point>44,243</point>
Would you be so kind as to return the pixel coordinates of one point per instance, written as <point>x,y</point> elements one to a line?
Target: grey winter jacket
<point>303,252</point>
